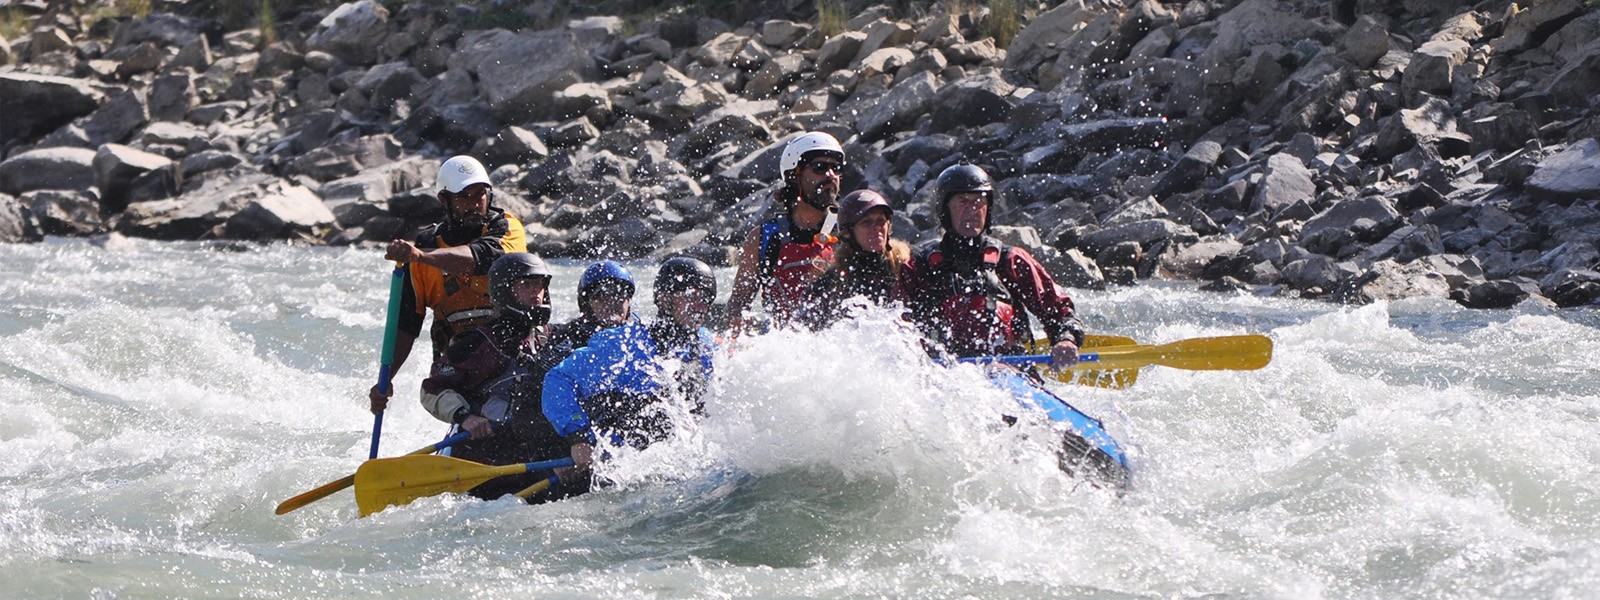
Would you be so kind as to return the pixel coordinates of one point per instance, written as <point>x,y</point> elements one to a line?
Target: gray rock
<point>1316,274</point>
<point>516,88</point>
<point>1146,233</point>
<point>886,61</point>
<point>1525,28</point>
<point>1367,218</point>
<point>1187,173</point>
<point>205,202</point>
<point>1431,67</point>
<point>974,101</point>
<point>287,212</point>
<point>775,74</point>
<point>1365,42</point>
<point>1187,262</point>
<point>346,158</point>
<point>1115,134</point>
<point>33,105</point>
<point>1569,175</point>
<point>1036,43</point>
<point>512,146</point>
<point>883,34</point>
<point>1496,294</point>
<point>17,222</point>
<point>48,169</point>
<point>1422,125</point>
<point>903,104</point>
<point>194,55</point>
<point>65,212</point>
<point>354,32</point>
<point>118,118</point>
<point>1576,82</point>
<point>184,136</point>
<point>1285,181</point>
<point>207,160</point>
<point>779,33</point>
<point>388,82</point>
<point>838,51</point>
<point>726,128</point>
<point>117,166</point>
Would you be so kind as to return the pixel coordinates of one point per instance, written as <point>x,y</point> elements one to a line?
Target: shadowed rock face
<point>1355,150</point>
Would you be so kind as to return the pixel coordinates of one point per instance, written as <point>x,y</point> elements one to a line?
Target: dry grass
<point>832,17</point>
<point>14,23</point>
<point>1005,20</point>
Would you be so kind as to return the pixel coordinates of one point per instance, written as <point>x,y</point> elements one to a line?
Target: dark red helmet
<point>854,206</point>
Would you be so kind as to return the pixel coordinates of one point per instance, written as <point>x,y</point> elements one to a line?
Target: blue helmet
<point>597,273</point>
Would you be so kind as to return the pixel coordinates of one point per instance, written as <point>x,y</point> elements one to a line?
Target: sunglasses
<point>825,167</point>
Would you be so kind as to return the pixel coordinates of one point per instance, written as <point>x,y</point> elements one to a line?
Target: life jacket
<point>639,418</point>
<point>976,313</point>
<point>460,301</point>
<point>787,266</point>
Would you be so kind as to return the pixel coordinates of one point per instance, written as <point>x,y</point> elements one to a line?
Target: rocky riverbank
<point>1352,150</point>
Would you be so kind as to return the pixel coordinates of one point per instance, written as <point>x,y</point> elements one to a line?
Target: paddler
<point>624,388</point>
<point>868,263</point>
<point>782,256</point>
<point>480,384</point>
<point>446,268</point>
<point>969,292</point>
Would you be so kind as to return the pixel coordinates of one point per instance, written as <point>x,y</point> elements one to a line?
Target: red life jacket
<point>976,313</point>
<point>788,266</point>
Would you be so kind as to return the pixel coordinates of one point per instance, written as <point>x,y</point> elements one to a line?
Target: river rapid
<point>161,399</point>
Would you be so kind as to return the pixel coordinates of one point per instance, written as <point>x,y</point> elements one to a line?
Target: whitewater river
<point>157,401</point>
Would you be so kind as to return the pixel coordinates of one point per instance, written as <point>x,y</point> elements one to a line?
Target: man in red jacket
<point>968,291</point>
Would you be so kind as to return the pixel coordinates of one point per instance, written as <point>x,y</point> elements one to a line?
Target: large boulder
<point>518,89</point>
<point>117,166</point>
<point>65,212</point>
<point>287,212</point>
<point>33,105</point>
<point>905,102</point>
<point>16,222</point>
<point>58,168</point>
<point>1285,181</point>
<point>354,32</point>
<point>974,101</point>
<point>1568,175</point>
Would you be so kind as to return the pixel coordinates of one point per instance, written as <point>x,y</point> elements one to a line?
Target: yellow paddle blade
<point>1231,353</point>
<point>386,482</point>
<point>327,489</point>
<point>1115,379</point>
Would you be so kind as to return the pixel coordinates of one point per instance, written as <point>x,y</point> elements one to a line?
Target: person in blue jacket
<point>618,390</point>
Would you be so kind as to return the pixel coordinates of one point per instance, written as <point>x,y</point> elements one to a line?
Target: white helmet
<point>798,148</point>
<point>461,171</point>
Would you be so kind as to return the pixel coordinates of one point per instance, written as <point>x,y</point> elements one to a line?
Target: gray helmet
<point>681,273</point>
<point>960,178</point>
<point>507,270</point>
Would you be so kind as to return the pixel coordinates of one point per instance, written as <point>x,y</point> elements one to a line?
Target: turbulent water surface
<point>159,400</point>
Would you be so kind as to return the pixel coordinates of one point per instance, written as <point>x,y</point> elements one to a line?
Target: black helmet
<point>681,273</point>
<point>607,272</point>
<point>960,178</point>
<point>508,269</point>
<point>854,206</point>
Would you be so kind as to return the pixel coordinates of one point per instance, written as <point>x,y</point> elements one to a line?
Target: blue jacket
<point>612,385</point>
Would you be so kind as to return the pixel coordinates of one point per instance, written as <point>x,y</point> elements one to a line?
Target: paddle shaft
<point>328,489</point>
<point>391,327</point>
<point>1240,352</point>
